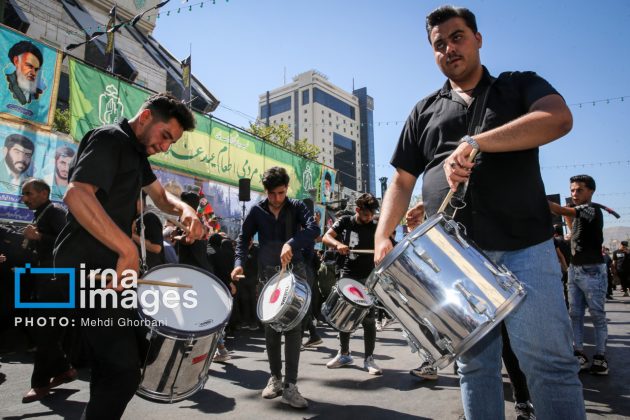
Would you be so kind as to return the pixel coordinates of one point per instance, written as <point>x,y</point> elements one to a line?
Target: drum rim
<point>262,293</point>
<point>176,332</point>
<point>402,246</point>
<point>367,293</point>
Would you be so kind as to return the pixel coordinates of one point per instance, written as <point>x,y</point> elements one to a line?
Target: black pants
<point>50,358</point>
<point>309,319</point>
<point>369,335</point>
<point>517,377</point>
<point>624,279</point>
<point>247,300</point>
<point>115,363</point>
<point>292,338</point>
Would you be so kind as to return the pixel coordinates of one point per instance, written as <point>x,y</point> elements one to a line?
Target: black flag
<point>186,76</point>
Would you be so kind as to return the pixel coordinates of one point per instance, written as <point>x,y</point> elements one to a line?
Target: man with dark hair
<point>23,83</point>
<point>505,119</point>
<point>347,233</point>
<point>18,153</point>
<point>51,366</point>
<point>63,158</point>
<point>194,254</point>
<point>587,271</point>
<point>285,226</point>
<point>110,170</point>
<point>621,266</point>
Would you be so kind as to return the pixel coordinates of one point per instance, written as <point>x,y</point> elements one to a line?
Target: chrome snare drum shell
<point>347,305</point>
<point>443,290</point>
<point>284,301</point>
<point>179,352</point>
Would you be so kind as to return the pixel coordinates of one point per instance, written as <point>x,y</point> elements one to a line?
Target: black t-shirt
<point>587,236</point>
<point>356,236</point>
<point>506,202</point>
<point>50,220</point>
<point>153,233</point>
<point>112,159</point>
<point>621,260</point>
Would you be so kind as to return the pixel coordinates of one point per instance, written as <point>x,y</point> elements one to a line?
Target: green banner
<point>97,99</point>
<point>214,151</point>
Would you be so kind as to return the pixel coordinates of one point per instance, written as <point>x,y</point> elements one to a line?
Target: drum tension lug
<point>476,303</point>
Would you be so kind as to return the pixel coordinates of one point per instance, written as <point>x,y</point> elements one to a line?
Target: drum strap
<point>143,245</point>
<point>457,201</point>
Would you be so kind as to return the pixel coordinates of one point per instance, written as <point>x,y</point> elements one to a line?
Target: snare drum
<point>189,321</point>
<point>347,305</point>
<point>444,291</point>
<point>284,301</point>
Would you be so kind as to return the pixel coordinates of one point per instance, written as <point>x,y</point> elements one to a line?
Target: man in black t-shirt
<point>621,266</point>
<point>106,176</point>
<point>587,271</point>
<point>348,233</point>
<point>505,119</point>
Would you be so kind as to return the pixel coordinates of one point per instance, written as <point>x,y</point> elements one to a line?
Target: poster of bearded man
<point>29,80</point>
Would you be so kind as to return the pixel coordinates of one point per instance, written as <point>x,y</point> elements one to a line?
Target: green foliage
<point>283,136</point>
<point>61,121</point>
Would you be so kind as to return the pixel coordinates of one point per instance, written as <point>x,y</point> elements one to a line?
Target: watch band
<point>468,139</point>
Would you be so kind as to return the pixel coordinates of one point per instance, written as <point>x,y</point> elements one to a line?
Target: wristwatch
<point>468,139</point>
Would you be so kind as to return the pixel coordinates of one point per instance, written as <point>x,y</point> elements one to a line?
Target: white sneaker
<point>273,388</point>
<point>221,355</point>
<point>292,396</point>
<point>340,360</point>
<point>379,326</point>
<point>371,366</point>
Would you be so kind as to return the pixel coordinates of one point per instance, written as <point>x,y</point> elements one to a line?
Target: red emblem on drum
<point>198,359</point>
<point>274,296</point>
<point>356,292</point>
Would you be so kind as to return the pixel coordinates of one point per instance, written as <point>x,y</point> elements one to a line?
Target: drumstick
<point>362,251</point>
<point>450,194</point>
<point>150,282</point>
<point>163,283</point>
<point>240,276</point>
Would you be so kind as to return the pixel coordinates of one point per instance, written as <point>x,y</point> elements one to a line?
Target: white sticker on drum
<point>203,306</point>
<point>355,292</point>
<point>274,297</point>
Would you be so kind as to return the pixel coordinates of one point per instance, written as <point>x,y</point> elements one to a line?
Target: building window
<point>305,110</point>
<point>335,104</point>
<point>275,107</point>
<point>305,129</point>
<point>305,98</point>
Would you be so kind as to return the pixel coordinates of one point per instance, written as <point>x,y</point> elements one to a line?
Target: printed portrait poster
<point>319,212</point>
<point>328,185</point>
<point>27,153</point>
<point>29,79</point>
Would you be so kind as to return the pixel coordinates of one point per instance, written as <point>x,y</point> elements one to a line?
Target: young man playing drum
<point>506,213</point>
<point>348,233</point>
<point>285,226</point>
<point>106,176</point>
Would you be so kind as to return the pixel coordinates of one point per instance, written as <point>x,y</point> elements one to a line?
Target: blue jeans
<point>587,287</point>
<point>540,334</point>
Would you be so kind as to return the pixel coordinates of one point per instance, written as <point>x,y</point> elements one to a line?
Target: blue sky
<point>241,48</point>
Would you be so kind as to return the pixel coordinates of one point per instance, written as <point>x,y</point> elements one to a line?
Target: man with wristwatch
<point>506,210</point>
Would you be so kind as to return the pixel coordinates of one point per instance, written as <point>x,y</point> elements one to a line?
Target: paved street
<point>233,389</point>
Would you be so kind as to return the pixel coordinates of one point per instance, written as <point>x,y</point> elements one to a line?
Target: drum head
<point>203,308</point>
<point>274,296</point>
<point>355,292</point>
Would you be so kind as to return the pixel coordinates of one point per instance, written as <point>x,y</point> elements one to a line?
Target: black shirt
<point>112,159</point>
<point>621,260</point>
<point>50,220</point>
<point>356,236</point>
<point>506,202</point>
<point>587,236</point>
<point>153,233</point>
<point>295,226</point>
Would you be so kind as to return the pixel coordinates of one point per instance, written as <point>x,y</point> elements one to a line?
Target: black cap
<point>624,243</point>
<point>24,47</point>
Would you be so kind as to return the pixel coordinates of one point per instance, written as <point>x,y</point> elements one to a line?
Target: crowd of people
<point>477,130</point>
